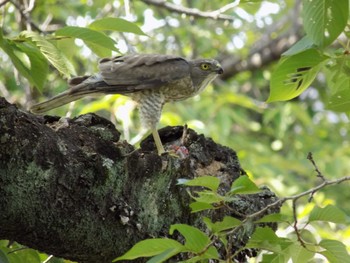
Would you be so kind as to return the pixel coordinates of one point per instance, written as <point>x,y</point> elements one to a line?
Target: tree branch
<point>71,188</point>
<point>25,16</point>
<point>216,15</point>
<point>4,2</point>
<point>311,159</point>
<point>294,198</point>
<point>266,51</point>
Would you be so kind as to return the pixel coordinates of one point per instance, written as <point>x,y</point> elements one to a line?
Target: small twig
<point>4,2</point>
<point>227,7</point>
<point>205,249</point>
<point>283,200</point>
<point>295,225</point>
<point>278,203</point>
<point>319,174</point>
<point>311,159</point>
<point>217,14</point>
<point>296,197</point>
<point>29,6</point>
<point>26,17</point>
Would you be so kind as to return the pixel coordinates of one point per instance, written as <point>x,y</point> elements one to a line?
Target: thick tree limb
<point>70,188</point>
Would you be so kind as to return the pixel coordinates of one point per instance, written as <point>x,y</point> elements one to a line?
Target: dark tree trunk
<point>71,188</point>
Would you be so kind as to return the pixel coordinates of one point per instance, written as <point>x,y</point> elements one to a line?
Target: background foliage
<point>45,42</point>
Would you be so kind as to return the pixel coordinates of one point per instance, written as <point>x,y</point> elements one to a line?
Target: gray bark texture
<point>71,188</point>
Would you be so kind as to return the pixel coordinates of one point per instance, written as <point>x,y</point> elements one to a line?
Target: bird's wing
<point>140,71</point>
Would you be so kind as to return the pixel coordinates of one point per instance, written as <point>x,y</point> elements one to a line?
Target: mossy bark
<point>71,188</point>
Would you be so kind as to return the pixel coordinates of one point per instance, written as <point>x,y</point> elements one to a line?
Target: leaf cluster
<point>200,246</point>
<point>324,22</point>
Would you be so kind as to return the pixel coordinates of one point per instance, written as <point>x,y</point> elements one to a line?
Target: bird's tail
<point>80,87</point>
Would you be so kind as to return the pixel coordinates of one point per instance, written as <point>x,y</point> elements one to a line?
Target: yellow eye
<point>204,66</point>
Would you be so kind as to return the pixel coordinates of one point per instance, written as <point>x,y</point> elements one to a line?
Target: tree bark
<point>71,188</point>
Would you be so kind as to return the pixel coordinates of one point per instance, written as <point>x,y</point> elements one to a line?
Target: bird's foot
<point>63,122</point>
<point>178,151</point>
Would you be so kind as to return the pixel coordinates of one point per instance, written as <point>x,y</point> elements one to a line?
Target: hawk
<point>149,79</point>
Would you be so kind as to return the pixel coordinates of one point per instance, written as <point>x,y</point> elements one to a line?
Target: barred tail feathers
<point>55,102</point>
<point>80,87</point>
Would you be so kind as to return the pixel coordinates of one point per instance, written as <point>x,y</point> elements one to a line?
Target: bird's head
<point>204,71</point>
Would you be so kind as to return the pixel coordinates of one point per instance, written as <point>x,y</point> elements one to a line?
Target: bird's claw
<point>178,151</point>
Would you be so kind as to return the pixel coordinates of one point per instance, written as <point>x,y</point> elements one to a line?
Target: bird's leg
<point>150,106</point>
<point>184,134</point>
<point>157,141</point>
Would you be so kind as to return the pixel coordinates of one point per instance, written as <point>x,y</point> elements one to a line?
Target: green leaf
<point>196,240</point>
<point>264,233</point>
<point>50,51</point>
<point>243,185</point>
<point>335,251</point>
<point>208,197</point>
<point>199,206</point>
<point>265,238</point>
<point>27,59</point>
<point>299,254</point>
<point>308,236</point>
<point>294,74</point>
<point>30,255</point>
<point>92,38</point>
<point>151,247</point>
<point>340,100</point>
<point>290,250</point>
<point>22,254</point>
<point>116,24</point>
<point>324,20</point>
<point>227,223</point>
<point>99,50</point>
<point>275,258</point>
<point>16,57</point>
<point>208,222</point>
<point>223,239</point>
<point>272,218</point>
<point>210,182</point>
<point>300,46</point>
<point>211,253</point>
<point>38,66</point>
<point>330,213</point>
<point>162,257</point>
<point>3,257</point>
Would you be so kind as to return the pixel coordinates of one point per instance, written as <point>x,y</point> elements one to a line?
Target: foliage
<point>312,79</point>
<point>11,252</point>
<point>41,50</point>
<point>199,245</point>
<point>326,20</point>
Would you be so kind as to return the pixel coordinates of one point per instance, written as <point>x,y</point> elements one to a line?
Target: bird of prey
<point>149,79</point>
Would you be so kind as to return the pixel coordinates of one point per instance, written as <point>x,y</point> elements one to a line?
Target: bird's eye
<point>204,66</point>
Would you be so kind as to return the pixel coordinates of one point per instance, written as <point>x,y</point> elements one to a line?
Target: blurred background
<point>247,37</point>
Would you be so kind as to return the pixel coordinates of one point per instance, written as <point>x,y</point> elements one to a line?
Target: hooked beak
<point>219,70</point>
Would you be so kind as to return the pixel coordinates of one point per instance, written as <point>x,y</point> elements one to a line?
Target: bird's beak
<point>219,70</point>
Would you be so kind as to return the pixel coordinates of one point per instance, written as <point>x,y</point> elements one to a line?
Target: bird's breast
<point>178,90</point>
